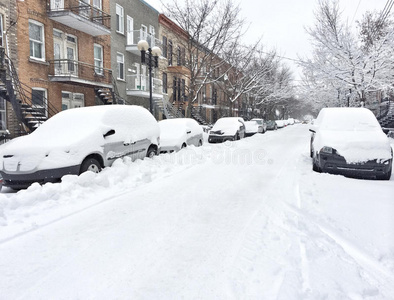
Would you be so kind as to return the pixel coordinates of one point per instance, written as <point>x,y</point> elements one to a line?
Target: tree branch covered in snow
<point>345,64</point>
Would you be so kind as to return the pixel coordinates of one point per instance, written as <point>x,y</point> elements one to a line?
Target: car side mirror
<point>189,131</point>
<point>110,132</point>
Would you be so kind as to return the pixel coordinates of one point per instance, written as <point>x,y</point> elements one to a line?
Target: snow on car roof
<point>347,118</point>
<point>90,123</point>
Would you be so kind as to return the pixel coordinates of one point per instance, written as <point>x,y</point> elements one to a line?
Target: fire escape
<point>29,116</point>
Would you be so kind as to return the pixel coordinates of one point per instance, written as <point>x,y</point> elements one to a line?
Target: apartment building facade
<point>132,21</point>
<point>63,58</point>
<point>8,43</point>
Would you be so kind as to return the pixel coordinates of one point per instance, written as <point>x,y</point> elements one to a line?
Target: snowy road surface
<point>243,220</point>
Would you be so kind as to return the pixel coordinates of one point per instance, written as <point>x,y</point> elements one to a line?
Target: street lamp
<point>152,61</point>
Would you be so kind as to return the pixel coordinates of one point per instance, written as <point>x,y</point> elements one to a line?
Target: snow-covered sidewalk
<point>242,220</point>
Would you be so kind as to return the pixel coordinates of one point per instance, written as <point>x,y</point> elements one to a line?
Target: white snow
<point>227,125</point>
<point>353,132</point>
<point>68,137</point>
<point>239,220</point>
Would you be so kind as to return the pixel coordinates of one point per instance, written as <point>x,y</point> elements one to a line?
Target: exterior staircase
<point>19,95</point>
<point>169,110</point>
<point>109,95</point>
<point>197,115</point>
<point>386,120</point>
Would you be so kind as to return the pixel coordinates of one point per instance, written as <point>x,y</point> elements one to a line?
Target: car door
<point>115,147</point>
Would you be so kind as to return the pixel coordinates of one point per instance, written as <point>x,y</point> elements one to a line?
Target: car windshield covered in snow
<point>350,141</point>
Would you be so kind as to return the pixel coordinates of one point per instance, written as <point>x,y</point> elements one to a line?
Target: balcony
<point>138,85</point>
<point>76,72</point>
<point>134,36</point>
<point>80,16</point>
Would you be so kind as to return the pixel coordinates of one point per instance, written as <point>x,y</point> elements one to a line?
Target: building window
<point>3,120</point>
<point>119,19</point>
<point>120,66</point>
<point>178,56</point>
<point>183,87</point>
<point>39,100</point>
<point>174,84</point>
<point>164,46</point>
<point>183,56</point>
<point>1,31</point>
<point>98,59</point>
<point>165,83</point>
<point>72,100</point>
<point>170,53</point>
<point>36,36</point>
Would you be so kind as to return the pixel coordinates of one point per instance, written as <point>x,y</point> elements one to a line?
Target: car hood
<point>30,153</point>
<point>355,146</point>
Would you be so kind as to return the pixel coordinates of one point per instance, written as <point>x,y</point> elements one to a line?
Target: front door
<point>58,55</point>
<point>71,52</point>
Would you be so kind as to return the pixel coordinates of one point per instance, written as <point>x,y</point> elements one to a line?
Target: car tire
<point>199,143</point>
<point>276,127</point>
<point>151,152</point>
<point>237,137</point>
<point>90,164</point>
<point>183,146</point>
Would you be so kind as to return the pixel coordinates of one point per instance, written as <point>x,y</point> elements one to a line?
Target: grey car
<point>79,140</point>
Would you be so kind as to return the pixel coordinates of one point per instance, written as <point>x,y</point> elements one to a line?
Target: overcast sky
<point>282,23</point>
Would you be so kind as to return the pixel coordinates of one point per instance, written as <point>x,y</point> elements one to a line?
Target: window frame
<point>45,99</point>
<point>119,19</point>
<point>99,70</point>
<point>164,41</point>
<point>170,48</point>
<point>41,43</point>
<point>120,75</point>
<point>1,30</point>
<point>165,83</point>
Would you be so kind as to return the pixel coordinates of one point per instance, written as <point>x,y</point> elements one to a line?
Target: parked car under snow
<point>252,127</point>
<point>78,140</point>
<point>227,129</point>
<point>350,141</point>
<point>179,133</point>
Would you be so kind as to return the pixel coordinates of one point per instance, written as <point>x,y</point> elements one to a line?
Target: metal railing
<point>134,36</point>
<point>81,70</point>
<point>82,9</point>
<point>141,83</point>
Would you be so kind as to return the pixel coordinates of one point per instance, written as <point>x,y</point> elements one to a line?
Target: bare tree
<point>213,28</point>
<point>345,63</point>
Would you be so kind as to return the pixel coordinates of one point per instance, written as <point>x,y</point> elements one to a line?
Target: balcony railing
<point>66,70</point>
<point>134,36</point>
<point>80,15</point>
<point>139,85</point>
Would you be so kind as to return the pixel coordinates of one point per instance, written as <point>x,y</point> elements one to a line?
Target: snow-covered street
<point>240,220</point>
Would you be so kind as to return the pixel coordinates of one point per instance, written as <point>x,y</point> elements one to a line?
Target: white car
<point>252,127</point>
<point>350,141</point>
<point>227,129</point>
<point>280,123</point>
<point>77,140</point>
<point>176,134</point>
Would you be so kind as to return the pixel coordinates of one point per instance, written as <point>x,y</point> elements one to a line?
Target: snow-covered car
<point>179,133</point>
<point>77,140</point>
<point>280,123</point>
<point>262,124</point>
<point>271,125</point>
<point>252,127</point>
<point>290,121</point>
<point>227,129</point>
<point>350,142</point>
